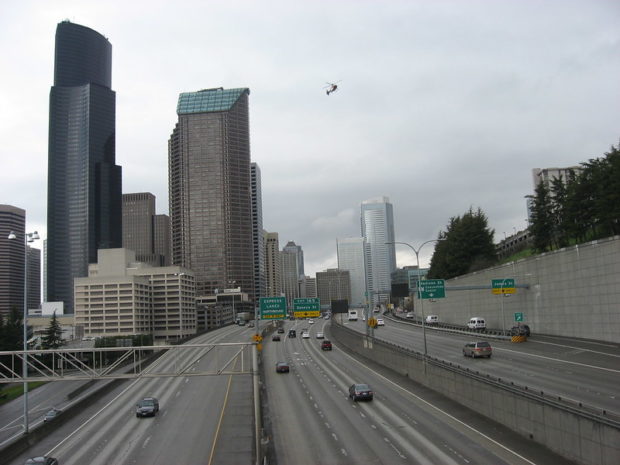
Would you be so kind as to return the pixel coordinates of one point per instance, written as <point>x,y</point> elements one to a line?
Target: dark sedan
<point>282,367</point>
<point>360,392</point>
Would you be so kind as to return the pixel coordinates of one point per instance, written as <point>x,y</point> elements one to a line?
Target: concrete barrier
<point>581,434</point>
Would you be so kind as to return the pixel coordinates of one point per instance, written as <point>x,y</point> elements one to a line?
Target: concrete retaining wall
<point>577,434</point>
<point>573,292</point>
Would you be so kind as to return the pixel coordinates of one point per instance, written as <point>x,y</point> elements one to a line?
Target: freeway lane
<point>582,371</point>
<point>314,421</point>
<point>198,417</point>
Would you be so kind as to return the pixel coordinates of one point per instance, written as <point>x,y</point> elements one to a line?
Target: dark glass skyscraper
<point>84,209</point>
<point>210,190</point>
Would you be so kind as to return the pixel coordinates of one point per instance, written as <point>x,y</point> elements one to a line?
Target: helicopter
<point>331,87</point>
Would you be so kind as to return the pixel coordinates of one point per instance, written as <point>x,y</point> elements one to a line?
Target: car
<point>311,322</point>
<point>320,335</point>
<point>275,337</point>
<point>49,416</point>
<point>360,392</point>
<point>251,324</point>
<point>326,345</point>
<point>280,330</point>
<point>305,335</point>
<point>477,349</point>
<point>380,322</point>
<point>327,317</point>
<point>521,330</point>
<point>432,320</point>
<point>147,407</point>
<point>410,315</point>
<point>41,461</point>
<point>292,333</point>
<point>282,367</point>
<point>476,323</point>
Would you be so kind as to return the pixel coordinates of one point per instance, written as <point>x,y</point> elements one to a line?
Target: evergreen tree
<point>53,334</point>
<point>465,246</point>
<point>541,221</point>
<point>558,213</point>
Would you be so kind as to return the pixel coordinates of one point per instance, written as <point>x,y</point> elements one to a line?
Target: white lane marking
<point>327,425</point>
<point>334,436</point>
<point>146,441</point>
<point>440,410</point>
<point>178,394</point>
<point>562,361</point>
<point>344,452</point>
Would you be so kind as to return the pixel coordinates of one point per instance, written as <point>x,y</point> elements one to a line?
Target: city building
<point>354,256</point>
<point>122,297</point>
<point>84,211</point>
<point>144,232</point>
<point>333,284</point>
<point>291,269</point>
<point>377,221</point>
<point>12,255</point>
<point>209,186</point>
<point>307,287</point>
<point>258,240</point>
<point>272,265</point>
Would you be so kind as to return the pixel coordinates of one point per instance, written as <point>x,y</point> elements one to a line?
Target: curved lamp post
<point>417,258</point>
<point>28,237</point>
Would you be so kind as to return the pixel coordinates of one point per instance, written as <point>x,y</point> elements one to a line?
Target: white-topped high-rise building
<point>377,221</point>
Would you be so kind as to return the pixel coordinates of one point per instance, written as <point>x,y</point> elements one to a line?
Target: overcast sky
<point>442,105</point>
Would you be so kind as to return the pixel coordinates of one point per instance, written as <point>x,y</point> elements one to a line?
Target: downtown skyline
<point>468,101</point>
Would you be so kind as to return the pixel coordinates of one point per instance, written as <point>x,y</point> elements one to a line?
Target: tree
<point>541,220</point>
<point>53,334</point>
<point>465,246</point>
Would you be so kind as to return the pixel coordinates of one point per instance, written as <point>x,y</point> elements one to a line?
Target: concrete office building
<point>209,185</point>
<point>122,297</point>
<point>84,212</point>
<point>333,284</point>
<point>377,221</point>
<point>290,258</point>
<point>354,256</point>
<point>307,287</point>
<point>258,239</point>
<point>144,232</point>
<point>12,255</point>
<point>272,265</point>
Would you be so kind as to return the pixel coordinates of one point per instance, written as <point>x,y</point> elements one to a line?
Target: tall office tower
<point>12,255</point>
<point>34,278</point>
<point>140,230</point>
<point>258,239</point>
<point>307,287</point>
<point>291,247</point>
<point>209,187</point>
<point>84,209</point>
<point>162,238</point>
<point>354,256</point>
<point>292,270</point>
<point>377,220</point>
<point>333,284</point>
<point>272,265</point>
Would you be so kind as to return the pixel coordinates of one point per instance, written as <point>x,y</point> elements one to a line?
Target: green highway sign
<point>272,308</point>
<point>519,316</point>
<point>503,286</point>
<point>431,289</point>
<point>304,308</point>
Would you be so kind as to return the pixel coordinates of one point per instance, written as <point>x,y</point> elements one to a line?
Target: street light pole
<point>28,237</point>
<point>417,258</point>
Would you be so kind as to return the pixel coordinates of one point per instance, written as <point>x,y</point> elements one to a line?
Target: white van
<point>352,315</point>
<point>477,323</point>
<point>432,319</point>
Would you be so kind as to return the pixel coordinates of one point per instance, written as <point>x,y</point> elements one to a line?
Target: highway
<point>308,414</point>
<point>202,419</point>
<point>582,371</point>
<point>313,421</point>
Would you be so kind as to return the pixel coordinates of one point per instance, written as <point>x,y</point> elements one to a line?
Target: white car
<point>410,315</point>
<point>305,335</point>
<point>380,322</point>
<point>320,335</point>
<point>310,322</point>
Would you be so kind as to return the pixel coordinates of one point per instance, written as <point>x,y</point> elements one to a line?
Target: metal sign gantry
<point>126,362</point>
